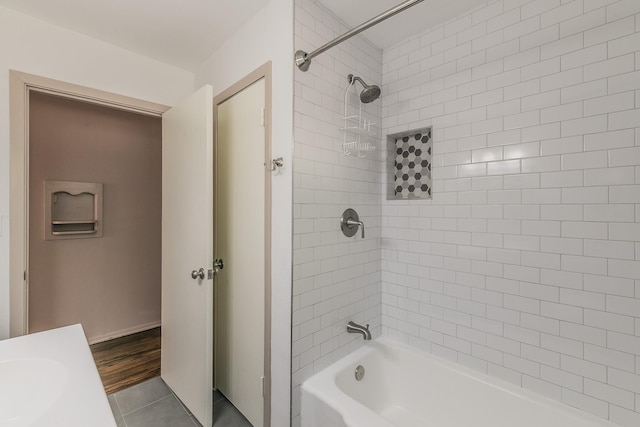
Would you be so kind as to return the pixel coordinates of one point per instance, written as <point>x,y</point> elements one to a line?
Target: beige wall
<point>110,284</point>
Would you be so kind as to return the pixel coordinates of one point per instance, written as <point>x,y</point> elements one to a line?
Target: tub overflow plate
<point>359,373</point>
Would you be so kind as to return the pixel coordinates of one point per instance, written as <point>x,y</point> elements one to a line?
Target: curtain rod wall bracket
<point>303,59</point>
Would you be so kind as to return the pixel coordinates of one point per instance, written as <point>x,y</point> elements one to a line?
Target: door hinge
<point>264,392</point>
<point>24,275</point>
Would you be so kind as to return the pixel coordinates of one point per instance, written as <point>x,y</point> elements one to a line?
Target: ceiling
<point>186,32</point>
<point>178,32</point>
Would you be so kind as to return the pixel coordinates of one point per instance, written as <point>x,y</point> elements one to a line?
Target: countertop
<point>50,379</point>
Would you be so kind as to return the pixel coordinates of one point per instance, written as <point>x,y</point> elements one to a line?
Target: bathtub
<point>403,387</point>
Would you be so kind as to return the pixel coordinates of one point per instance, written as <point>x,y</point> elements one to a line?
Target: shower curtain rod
<point>303,59</point>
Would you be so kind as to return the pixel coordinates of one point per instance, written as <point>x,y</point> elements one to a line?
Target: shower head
<point>370,92</point>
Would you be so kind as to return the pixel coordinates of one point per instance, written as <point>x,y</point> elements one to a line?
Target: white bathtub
<point>403,387</point>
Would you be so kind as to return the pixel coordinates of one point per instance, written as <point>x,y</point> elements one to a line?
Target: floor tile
<point>226,415</point>
<point>167,412</point>
<point>140,395</point>
<point>116,411</point>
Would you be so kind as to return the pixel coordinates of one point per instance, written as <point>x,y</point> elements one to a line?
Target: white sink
<point>29,387</point>
<point>49,379</point>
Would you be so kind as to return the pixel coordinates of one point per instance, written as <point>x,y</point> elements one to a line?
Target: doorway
<point>109,281</point>
<point>200,178</point>
<point>21,85</point>
<point>242,229</point>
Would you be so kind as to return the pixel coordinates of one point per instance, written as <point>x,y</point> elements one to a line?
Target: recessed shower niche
<point>409,158</point>
<point>73,210</point>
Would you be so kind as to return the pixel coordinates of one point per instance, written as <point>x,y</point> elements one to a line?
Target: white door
<point>187,244</point>
<point>240,241</point>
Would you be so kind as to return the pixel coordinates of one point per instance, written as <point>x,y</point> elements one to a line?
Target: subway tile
<point>588,230</point>
<point>584,57</point>
<point>562,46</point>
<point>623,416</point>
<point>562,245</point>
<point>573,178</point>
<point>618,396</point>
<point>608,248</point>
<point>580,92</point>
<point>540,324</point>
<point>623,82</point>
<point>609,104</point>
<point>502,167</point>
<point>624,119</point>
<point>541,100</point>
<point>610,321</point>
<point>585,195</point>
<point>588,125</point>
<point>584,264</point>
<point>562,279</point>
<point>624,194</point>
<point>522,59</point>
<point>571,144</point>
<point>540,355</point>
<point>580,298</point>
<point>541,228</point>
<point>561,80</point>
<point>623,45</point>
<point>621,9</point>
<point>523,180</point>
<point>609,285</point>
<point>624,268</point>
<point>562,212</point>
<point>624,380</point>
<point>561,112</point>
<point>611,67</point>
<point>609,176</point>
<point>508,137</point>
<point>541,133</point>
<point>539,38</point>
<point>609,212</point>
<point>527,243</point>
<point>624,343</point>
<point>608,140</point>
<point>541,69</point>
<point>609,31</point>
<point>541,196</point>
<point>586,334</point>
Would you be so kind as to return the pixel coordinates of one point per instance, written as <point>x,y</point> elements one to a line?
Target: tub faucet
<point>354,328</point>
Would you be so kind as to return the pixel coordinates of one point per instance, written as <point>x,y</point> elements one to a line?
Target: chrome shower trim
<point>370,92</point>
<point>303,59</point>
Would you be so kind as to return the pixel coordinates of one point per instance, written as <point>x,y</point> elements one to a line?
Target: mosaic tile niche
<point>410,153</point>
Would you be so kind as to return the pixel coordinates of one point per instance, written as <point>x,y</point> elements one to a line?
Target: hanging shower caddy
<point>359,132</point>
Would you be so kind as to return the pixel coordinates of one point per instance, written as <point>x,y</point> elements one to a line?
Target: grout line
<point>148,404</point>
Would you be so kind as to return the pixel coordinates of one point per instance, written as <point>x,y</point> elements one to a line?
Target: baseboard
<point>123,332</point>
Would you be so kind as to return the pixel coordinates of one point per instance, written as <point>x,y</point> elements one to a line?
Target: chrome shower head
<point>370,92</point>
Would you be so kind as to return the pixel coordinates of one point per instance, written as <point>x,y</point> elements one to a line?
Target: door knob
<point>218,265</point>
<point>198,274</point>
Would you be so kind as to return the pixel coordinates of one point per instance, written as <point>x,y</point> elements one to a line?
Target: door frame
<point>20,84</point>
<point>262,72</point>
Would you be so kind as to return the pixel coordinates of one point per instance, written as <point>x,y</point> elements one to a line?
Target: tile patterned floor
<point>153,404</point>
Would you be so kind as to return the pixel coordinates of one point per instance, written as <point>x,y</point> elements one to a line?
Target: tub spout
<point>354,328</point>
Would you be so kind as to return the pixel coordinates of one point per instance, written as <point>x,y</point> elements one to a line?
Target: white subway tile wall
<point>335,278</point>
<point>526,264</point>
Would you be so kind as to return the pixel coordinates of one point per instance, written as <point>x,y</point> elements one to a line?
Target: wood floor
<point>129,360</point>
